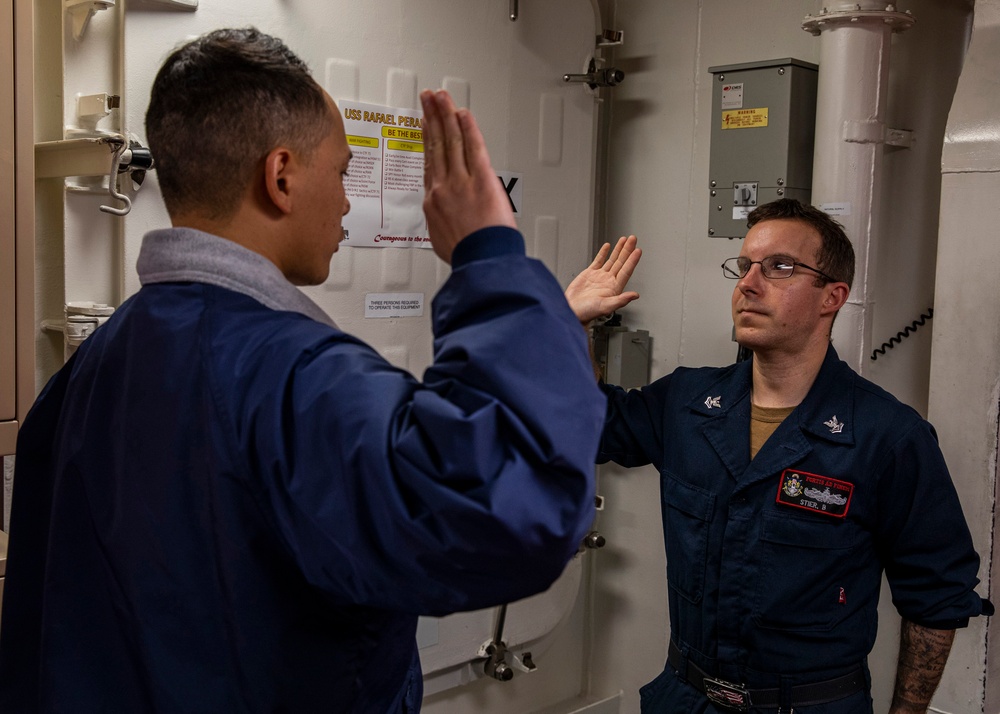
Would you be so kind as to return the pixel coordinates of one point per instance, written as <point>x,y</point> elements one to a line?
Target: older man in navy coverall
<point>789,484</point>
<point>223,503</point>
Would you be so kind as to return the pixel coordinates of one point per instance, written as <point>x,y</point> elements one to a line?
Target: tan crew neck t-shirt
<point>763,422</point>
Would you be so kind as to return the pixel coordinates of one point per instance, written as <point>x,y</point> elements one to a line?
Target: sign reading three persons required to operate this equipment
<point>394,305</point>
<point>385,179</point>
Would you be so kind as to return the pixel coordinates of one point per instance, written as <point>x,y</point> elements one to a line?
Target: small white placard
<point>741,212</point>
<point>394,305</point>
<point>836,209</point>
<point>732,96</point>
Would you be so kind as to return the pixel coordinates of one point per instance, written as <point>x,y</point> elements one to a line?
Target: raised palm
<point>600,288</point>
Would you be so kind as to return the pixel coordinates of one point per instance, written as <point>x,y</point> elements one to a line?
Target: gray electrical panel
<point>763,124</point>
<point>622,355</point>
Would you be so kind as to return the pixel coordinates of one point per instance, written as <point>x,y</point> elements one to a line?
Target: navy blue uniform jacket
<point>766,577</point>
<point>223,507</point>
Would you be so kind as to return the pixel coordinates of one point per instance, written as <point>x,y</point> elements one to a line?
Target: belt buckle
<point>731,696</point>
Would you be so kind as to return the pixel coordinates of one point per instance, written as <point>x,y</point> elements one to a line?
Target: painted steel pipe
<point>850,136</point>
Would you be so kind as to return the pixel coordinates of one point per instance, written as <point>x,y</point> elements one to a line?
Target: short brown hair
<point>836,254</point>
<point>218,105</point>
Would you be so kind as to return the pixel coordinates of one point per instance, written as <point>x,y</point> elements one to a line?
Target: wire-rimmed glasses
<point>773,267</point>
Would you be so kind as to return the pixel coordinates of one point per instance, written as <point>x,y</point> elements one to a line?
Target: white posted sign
<point>385,179</point>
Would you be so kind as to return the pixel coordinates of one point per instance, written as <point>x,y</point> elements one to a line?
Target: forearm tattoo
<point>922,655</point>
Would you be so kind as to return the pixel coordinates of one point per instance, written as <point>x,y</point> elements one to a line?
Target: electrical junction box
<point>763,124</point>
<point>623,355</point>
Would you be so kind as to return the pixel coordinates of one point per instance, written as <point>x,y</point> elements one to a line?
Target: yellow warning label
<point>744,118</point>
<point>370,141</point>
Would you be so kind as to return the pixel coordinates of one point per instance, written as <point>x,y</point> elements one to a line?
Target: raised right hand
<point>461,190</point>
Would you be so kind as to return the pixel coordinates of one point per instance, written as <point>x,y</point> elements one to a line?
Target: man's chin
<point>748,338</point>
<point>304,281</point>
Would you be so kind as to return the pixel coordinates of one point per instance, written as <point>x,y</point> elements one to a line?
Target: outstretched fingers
<point>435,166</point>
<point>602,255</point>
<point>609,265</point>
<point>454,139</point>
<point>624,273</point>
<point>625,254</point>
<point>461,192</point>
<point>600,288</point>
<point>477,158</point>
<point>453,144</point>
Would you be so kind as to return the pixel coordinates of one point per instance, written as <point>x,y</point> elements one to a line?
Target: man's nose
<point>752,279</point>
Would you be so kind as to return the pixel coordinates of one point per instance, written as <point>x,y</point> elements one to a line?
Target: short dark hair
<point>836,254</point>
<point>218,105</point>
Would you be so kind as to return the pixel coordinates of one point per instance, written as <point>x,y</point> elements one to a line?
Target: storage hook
<point>116,160</point>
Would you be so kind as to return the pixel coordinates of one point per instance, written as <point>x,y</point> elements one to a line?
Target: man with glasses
<point>789,484</point>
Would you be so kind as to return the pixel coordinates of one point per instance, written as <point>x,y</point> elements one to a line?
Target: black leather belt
<point>736,697</point>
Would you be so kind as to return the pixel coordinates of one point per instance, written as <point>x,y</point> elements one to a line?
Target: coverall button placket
<point>734,618</point>
<point>735,591</point>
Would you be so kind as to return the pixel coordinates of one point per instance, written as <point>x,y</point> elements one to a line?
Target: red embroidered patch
<point>820,494</point>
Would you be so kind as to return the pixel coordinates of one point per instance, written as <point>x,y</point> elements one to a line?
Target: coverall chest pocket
<point>806,572</point>
<point>687,514</point>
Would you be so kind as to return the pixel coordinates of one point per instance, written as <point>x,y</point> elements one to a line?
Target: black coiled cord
<point>904,333</point>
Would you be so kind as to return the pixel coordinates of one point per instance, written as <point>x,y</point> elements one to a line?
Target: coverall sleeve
<point>633,425</point>
<point>469,489</point>
<point>922,536</point>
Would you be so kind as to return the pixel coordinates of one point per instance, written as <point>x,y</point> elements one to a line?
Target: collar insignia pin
<point>714,402</point>
<point>835,426</point>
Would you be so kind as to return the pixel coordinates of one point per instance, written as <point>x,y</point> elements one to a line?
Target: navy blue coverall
<point>774,564</point>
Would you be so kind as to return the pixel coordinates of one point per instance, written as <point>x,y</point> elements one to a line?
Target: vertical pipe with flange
<point>850,134</point>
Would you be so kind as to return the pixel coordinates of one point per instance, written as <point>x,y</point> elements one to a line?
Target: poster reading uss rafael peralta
<point>385,179</point>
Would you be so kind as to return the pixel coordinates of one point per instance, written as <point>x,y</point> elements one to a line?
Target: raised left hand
<point>600,288</point>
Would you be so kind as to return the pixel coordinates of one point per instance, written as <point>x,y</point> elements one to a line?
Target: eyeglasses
<point>773,266</point>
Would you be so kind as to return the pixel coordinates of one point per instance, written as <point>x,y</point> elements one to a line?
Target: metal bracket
<point>87,156</point>
<point>594,78</point>
<point>830,19</point>
<point>610,38</point>
<point>875,132</point>
<point>82,10</point>
<point>495,650</point>
<point>80,319</point>
<point>91,108</point>
<point>524,662</point>
<point>83,156</point>
<point>899,137</point>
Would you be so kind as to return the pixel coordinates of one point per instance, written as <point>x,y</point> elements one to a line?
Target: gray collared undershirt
<point>172,255</point>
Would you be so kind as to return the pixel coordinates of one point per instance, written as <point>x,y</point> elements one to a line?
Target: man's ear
<point>835,297</point>
<point>280,165</point>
